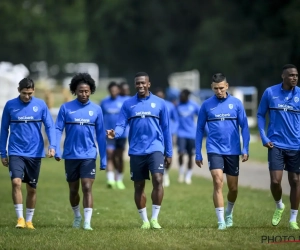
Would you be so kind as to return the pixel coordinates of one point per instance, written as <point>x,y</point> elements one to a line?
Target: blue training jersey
<point>148,121</point>
<point>284,117</point>
<point>24,121</point>
<point>186,119</point>
<point>223,116</point>
<point>111,109</point>
<point>81,122</point>
<point>173,117</point>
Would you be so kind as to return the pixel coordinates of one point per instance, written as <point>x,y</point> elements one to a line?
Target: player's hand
<point>269,145</point>
<point>57,158</point>
<point>110,134</point>
<point>245,157</point>
<point>4,162</point>
<point>199,163</point>
<point>51,153</point>
<point>168,161</point>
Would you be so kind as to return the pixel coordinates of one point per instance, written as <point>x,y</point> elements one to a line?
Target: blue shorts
<point>140,165</point>
<point>113,144</point>
<point>25,168</point>
<point>185,145</point>
<point>80,168</point>
<point>284,159</point>
<point>230,164</point>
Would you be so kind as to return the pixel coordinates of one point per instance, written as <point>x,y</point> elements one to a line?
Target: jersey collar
<point>25,102</point>
<point>223,99</point>
<point>143,99</point>
<point>82,104</point>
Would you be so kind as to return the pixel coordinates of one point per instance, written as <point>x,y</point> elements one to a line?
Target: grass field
<point>187,217</point>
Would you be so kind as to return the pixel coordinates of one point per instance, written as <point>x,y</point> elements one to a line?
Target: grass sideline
<point>187,216</point>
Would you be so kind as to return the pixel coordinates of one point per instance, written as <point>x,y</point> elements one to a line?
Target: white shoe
<point>188,181</point>
<point>166,181</point>
<point>181,178</point>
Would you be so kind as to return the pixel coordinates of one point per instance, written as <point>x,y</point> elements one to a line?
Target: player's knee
<point>233,189</point>
<point>157,181</point>
<point>31,191</point>
<point>16,183</point>
<point>87,188</point>
<point>218,183</point>
<point>294,181</point>
<point>275,183</point>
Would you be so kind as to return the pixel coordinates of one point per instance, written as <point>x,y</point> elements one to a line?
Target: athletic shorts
<point>228,163</point>
<point>284,159</point>
<point>25,168</point>
<point>113,144</point>
<point>140,165</point>
<point>185,145</point>
<point>80,168</point>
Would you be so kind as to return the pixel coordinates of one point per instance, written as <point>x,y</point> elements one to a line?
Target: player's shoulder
<point>235,100</point>
<point>105,99</point>
<point>273,88</point>
<point>209,100</point>
<point>13,101</point>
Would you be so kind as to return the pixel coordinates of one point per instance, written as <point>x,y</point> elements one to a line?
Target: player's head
<point>219,85</point>
<point>26,89</point>
<point>184,95</point>
<point>290,75</point>
<point>124,89</point>
<point>159,92</point>
<point>113,89</point>
<point>142,84</point>
<point>82,85</point>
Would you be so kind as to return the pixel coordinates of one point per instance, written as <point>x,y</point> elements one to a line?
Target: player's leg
<point>231,168</point>
<point>87,175</point>
<point>110,174</point>
<point>32,171</point>
<point>181,146</point>
<point>16,170</point>
<point>119,165</point>
<point>155,164</point>
<point>276,166</point>
<point>190,148</point>
<point>216,165</point>
<point>293,166</point>
<point>72,176</point>
<point>139,173</point>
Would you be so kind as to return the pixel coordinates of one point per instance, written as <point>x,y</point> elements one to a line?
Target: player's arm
<point>201,122</point>
<point>164,123</point>
<point>261,118</point>
<point>4,135</point>
<point>243,122</point>
<point>121,124</point>
<point>174,117</point>
<point>50,130</point>
<point>101,139</point>
<point>59,128</point>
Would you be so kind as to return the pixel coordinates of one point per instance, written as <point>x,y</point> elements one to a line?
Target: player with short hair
<point>187,112</point>
<point>173,128</point>
<point>224,115</point>
<point>23,118</point>
<point>111,107</point>
<point>81,120</point>
<point>150,144</point>
<point>281,101</point>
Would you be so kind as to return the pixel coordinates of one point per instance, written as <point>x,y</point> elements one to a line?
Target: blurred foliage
<point>249,41</point>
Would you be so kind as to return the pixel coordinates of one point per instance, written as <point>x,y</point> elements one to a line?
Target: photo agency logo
<point>279,239</point>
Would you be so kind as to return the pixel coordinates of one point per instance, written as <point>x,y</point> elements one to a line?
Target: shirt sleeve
<point>59,128</point>
<point>121,123</point>
<point>5,123</point>
<point>261,117</point>
<point>243,122</point>
<point>174,117</point>
<point>201,122</point>
<point>49,127</point>
<point>164,123</point>
<point>101,140</point>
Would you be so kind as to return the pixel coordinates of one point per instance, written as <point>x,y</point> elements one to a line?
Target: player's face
<point>220,89</point>
<point>290,77</point>
<point>83,92</point>
<point>26,94</point>
<point>142,86</point>
<point>114,91</point>
<point>125,90</point>
<point>160,94</point>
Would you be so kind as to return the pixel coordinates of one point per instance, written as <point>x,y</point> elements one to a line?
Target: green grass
<point>187,216</point>
<point>257,152</point>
